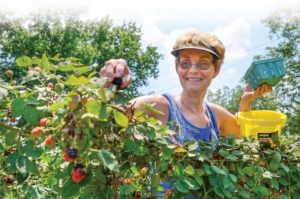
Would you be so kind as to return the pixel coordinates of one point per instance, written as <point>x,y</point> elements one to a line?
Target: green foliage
<point>92,42</point>
<point>227,98</point>
<point>123,153</point>
<point>284,26</point>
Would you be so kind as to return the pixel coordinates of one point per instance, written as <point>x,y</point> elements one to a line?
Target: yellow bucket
<point>260,123</point>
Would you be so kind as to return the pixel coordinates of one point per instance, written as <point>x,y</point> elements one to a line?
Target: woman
<point>198,59</point>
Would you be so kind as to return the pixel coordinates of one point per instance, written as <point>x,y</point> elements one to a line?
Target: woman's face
<point>195,70</point>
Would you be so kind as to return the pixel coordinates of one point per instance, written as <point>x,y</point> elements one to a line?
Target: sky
<point>238,24</point>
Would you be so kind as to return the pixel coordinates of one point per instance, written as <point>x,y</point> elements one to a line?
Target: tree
<point>285,27</point>
<point>93,42</point>
<point>227,98</point>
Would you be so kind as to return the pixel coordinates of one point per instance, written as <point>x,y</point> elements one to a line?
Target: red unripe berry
<point>49,141</point>
<point>50,85</point>
<point>43,121</point>
<point>78,175</point>
<point>168,193</point>
<point>37,131</point>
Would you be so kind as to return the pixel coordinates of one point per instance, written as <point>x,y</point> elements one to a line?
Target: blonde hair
<point>202,41</point>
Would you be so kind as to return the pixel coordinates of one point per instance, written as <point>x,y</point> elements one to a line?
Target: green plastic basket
<point>268,71</point>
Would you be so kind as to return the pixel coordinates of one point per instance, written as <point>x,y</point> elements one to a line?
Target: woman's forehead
<point>187,53</point>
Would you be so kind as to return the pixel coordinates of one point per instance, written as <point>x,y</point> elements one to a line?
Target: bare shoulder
<point>219,111</point>
<point>226,121</point>
<point>158,101</point>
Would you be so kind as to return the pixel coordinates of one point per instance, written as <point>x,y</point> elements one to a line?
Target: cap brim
<point>176,51</point>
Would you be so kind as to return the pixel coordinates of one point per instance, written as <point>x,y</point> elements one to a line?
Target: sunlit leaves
<point>74,81</point>
<point>24,61</point>
<point>108,160</point>
<point>120,118</point>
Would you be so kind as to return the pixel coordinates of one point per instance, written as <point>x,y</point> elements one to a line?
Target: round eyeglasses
<point>202,65</point>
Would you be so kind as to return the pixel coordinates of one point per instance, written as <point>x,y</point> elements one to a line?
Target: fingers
<point>126,81</point>
<point>116,68</point>
<point>121,69</point>
<point>262,89</point>
<point>248,88</point>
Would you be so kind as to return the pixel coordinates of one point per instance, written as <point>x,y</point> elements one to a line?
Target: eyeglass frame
<point>190,64</point>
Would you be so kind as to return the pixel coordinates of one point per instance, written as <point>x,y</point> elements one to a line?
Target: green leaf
<point>1,146</point>
<point>244,193</point>
<point>283,182</point>
<point>198,179</point>
<point>18,106</point>
<point>275,162</point>
<point>55,106</point>
<point>11,162</point>
<point>200,172</point>
<point>24,61</point>
<point>285,168</point>
<point>3,93</point>
<point>36,61</point>
<point>10,137</point>
<point>104,111</point>
<point>108,160</point>
<point>218,191</point>
<point>151,108</point>
<point>275,183</point>
<point>102,94</point>
<point>227,193</point>
<point>182,186</point>
<point>207,169</point>
<point>70,189</point>
<point>248,170</point>
<point>92,74</point>
<point>74,81</point>
<point>218,170</point>
<point>233,177</point>
<point>92,106</point>
<point>231,157</point>
<point>155,180</point>
<point>120,118</point>
<point>66,68</point>
<point>262,190</point>
<point>44,62</point>
<point>29,149</point>
<point>178,171</point>
<point>126,190</point>
<point>192,184</point>
<point>24,165</point>
<point>194,146</point>
<point>31,115</point>
<point>26,107</point>
<point>189,170</point>
<point>223,152</point>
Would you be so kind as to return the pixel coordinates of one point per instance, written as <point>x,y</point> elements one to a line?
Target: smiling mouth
<point>192,79</point>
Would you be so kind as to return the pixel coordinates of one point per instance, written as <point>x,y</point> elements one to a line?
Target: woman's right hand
<point>117,73</point>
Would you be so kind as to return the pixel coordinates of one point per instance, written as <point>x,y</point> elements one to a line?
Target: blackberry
<point>118,81</point>
<point>73,153</point>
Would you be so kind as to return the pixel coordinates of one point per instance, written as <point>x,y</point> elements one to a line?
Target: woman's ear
<point>217,70</point>
<point>176,66</point>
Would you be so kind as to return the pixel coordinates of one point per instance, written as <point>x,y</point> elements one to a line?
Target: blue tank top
<point>188,131</point>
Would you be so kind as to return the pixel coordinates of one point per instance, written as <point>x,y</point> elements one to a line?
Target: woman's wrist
<point>245,105</point>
